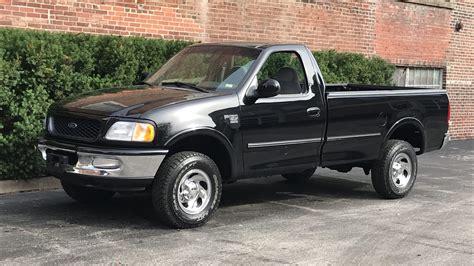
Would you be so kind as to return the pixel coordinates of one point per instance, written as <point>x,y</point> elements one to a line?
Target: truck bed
<point>360,117</point>
<point>362,87</point>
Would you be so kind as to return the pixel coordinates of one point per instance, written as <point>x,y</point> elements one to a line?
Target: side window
<point>287,69</point>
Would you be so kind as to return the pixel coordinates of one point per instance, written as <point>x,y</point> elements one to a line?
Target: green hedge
<point>343,67</point>
<point>38,68</point>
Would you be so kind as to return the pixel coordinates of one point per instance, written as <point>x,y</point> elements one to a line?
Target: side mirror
<point>145,75</point>
<point>268,88</point>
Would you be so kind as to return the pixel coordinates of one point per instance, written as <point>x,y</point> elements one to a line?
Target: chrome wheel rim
<point>401,170</point>
<point>194,191</point>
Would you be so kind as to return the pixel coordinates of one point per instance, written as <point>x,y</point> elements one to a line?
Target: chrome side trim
<point>381,93</point>
<point>353,136</point>
<point>282,143</point>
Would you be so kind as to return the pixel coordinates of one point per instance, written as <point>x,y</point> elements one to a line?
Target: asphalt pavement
<point>335,219</point>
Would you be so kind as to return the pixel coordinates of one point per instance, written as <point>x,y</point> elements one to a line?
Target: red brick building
<point>431,41</point>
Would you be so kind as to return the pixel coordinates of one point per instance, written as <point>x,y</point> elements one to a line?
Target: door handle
<point>314,111</point>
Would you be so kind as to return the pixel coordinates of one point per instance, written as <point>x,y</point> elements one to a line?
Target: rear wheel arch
<point>408,129</point>
<point>208,142</point>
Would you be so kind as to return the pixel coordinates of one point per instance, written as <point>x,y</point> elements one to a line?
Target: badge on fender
<point>232,120</point>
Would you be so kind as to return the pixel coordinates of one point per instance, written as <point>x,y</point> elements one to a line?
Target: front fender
<point>216,135</point>
<point>201,131</point>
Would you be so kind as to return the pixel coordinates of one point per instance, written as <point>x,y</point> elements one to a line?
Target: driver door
<point>283,134</point>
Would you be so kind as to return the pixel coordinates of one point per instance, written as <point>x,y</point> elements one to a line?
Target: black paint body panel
<point>273,135</point>
<point>381,113</point>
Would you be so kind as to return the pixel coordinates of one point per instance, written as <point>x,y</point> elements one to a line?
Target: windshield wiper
<point>184,85</point>
<point>146,83</point>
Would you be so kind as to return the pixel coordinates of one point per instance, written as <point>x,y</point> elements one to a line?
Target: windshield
<point>220,68</point>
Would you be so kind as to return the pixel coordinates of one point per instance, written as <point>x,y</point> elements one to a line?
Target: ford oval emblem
<point>71,125</point>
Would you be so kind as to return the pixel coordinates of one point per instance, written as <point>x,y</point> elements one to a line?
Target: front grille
<point>75,128</point>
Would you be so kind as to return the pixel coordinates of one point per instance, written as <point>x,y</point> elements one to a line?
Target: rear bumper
<point>101,167</point>
<point>446,139</point>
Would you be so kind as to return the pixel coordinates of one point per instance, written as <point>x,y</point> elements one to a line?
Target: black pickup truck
<point>216,113</point>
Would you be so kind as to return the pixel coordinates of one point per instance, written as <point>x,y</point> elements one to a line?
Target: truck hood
<point>127,101</point>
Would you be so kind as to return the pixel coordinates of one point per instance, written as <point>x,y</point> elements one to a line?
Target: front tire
<point>394,173</point>
<point>86,194</point>
<point>186,190</point>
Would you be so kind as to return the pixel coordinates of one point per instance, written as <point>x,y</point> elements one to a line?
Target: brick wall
<point>402,32</point>
<point>460,71</point>
<point>411,34</point>
<point>138,18</point>
<point>322,25</point>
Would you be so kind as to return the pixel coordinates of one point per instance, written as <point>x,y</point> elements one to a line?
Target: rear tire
<point>300,177</point>
<point>394,173</point>
<point>86,194</point>
<point>186,190</point>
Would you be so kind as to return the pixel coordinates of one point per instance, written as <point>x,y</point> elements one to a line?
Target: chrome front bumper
<point>101,163</point>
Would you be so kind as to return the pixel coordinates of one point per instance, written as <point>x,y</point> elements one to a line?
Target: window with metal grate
<point>419,77</point>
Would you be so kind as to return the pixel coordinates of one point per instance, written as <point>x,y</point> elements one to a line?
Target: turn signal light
<point>143,132</point>
<point>131,131</point>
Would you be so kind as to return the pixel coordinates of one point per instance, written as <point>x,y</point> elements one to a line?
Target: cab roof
<point>260,46</point>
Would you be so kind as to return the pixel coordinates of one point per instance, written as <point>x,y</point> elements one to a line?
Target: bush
<point>38,68</point>
<point>343,67</point>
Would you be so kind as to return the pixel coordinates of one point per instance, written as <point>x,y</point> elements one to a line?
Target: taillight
<point>448,119</point>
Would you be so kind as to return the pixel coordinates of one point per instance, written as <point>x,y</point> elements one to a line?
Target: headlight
<point>131,131</point>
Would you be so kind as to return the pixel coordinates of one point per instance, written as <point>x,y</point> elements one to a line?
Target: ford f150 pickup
<point>216,113</point>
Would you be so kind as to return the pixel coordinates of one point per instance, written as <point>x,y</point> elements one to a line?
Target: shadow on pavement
<point>321,187</point>
<point>134,211</point>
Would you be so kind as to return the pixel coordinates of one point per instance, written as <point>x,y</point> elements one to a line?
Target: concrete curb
<point>42,183</point>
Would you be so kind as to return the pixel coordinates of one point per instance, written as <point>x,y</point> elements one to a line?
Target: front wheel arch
<point>210,143</point>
